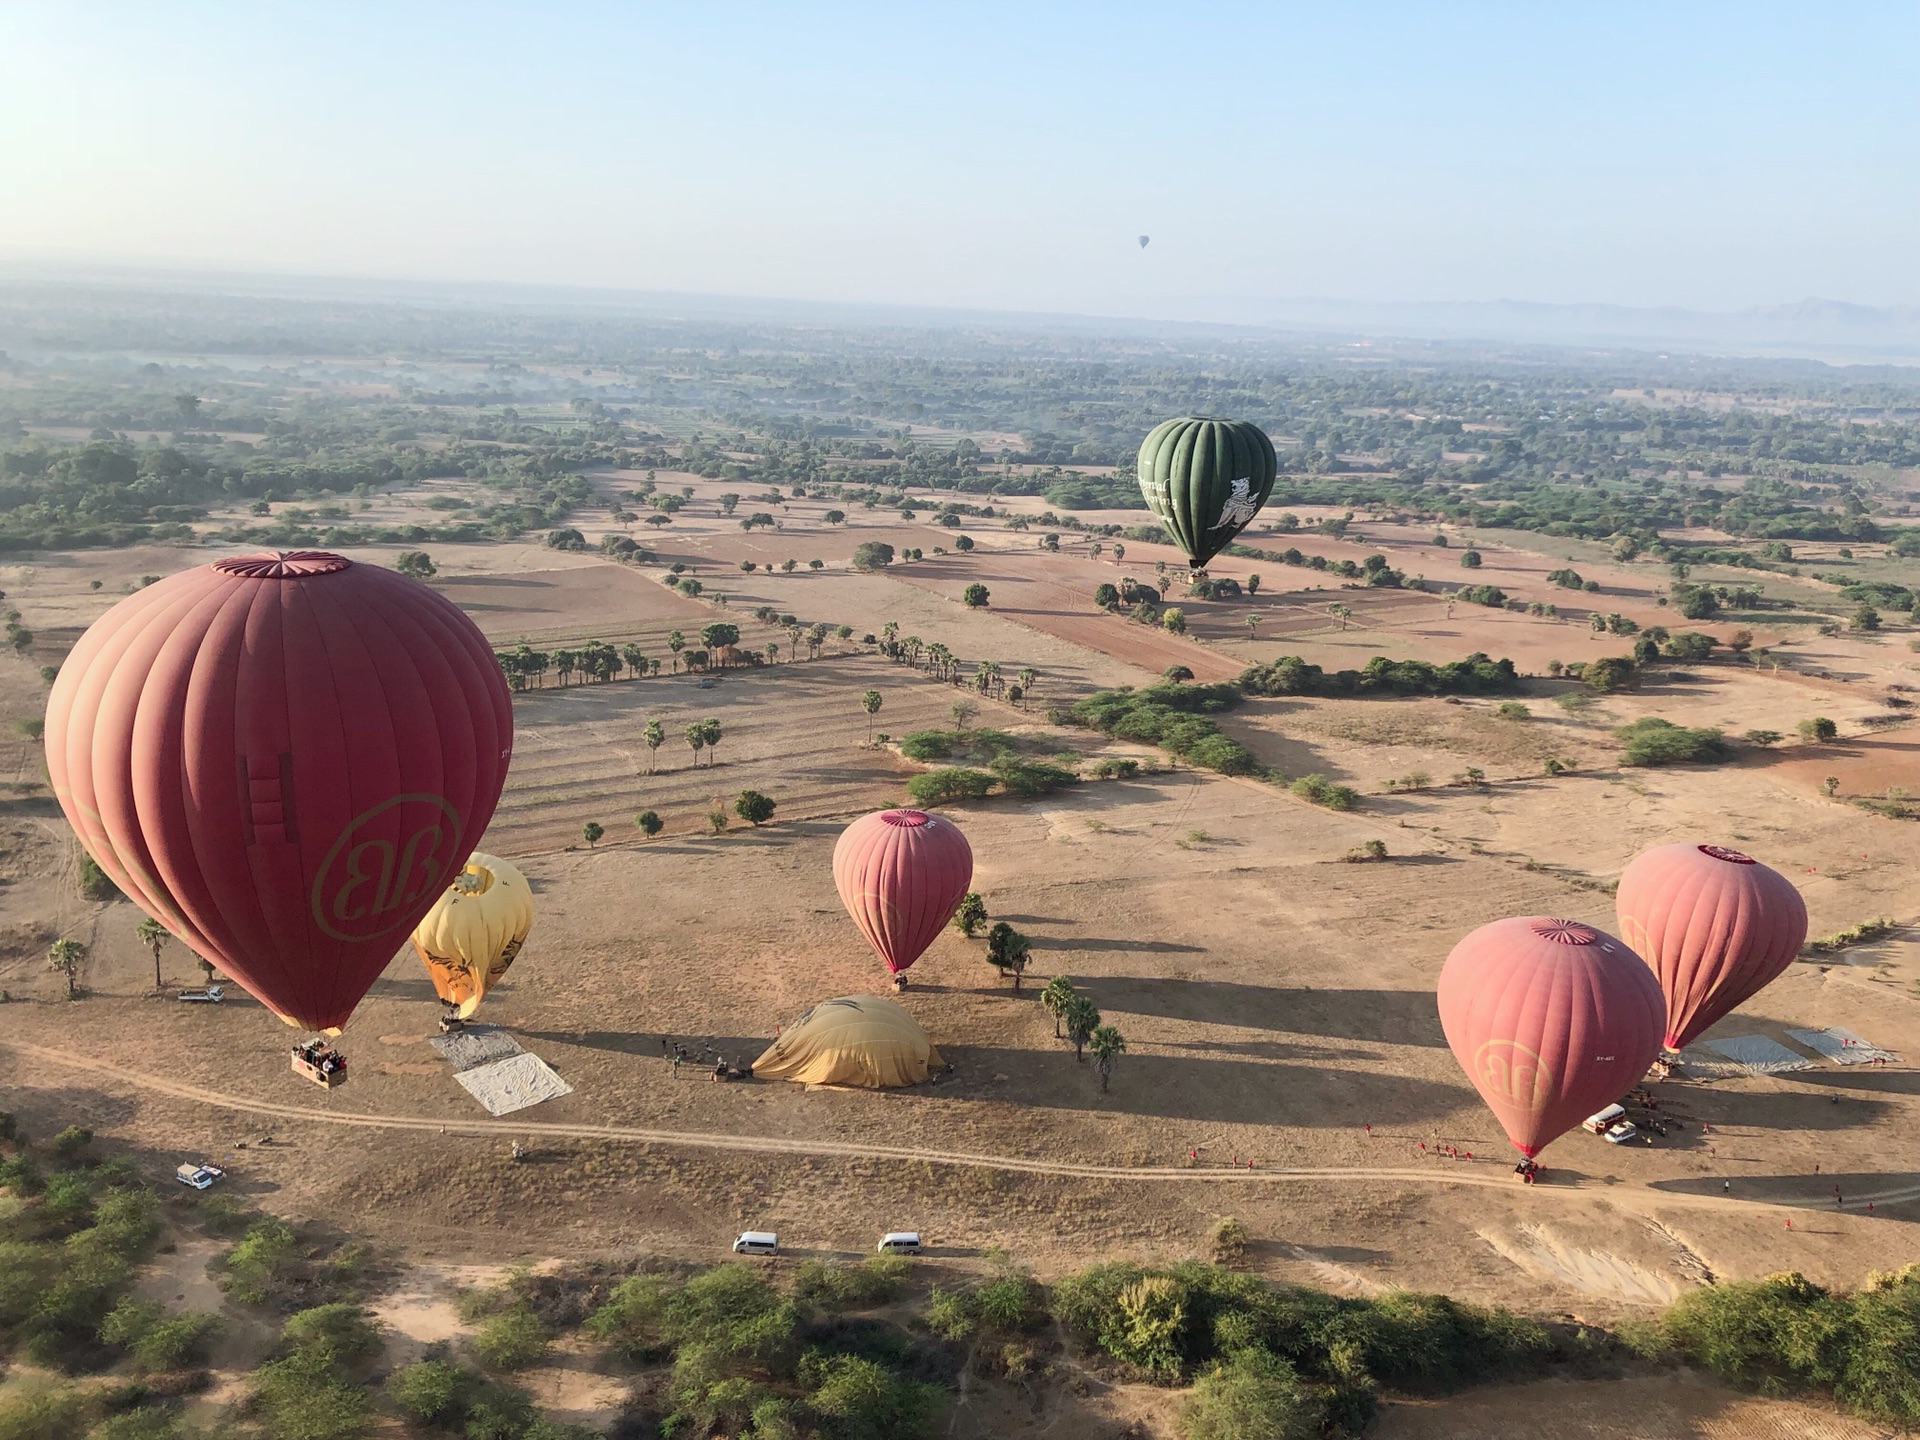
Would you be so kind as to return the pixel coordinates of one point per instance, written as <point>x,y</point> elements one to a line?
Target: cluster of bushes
<point>1653,741</point>
<point>1490,595</point>
<point>1172,716</point>
<point>1282,1361</point>
<point>999,752</point>
<point>747,1359</point>
<point>1374,569</point>
<point>1475,675</point>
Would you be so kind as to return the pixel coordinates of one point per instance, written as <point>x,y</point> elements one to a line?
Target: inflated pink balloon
<point>1717,927</point>
<point>901,875</point>
<point>1551,1019</point>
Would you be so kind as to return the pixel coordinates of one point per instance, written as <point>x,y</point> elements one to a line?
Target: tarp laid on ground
<point>1702,1064</point>
<point>504,1086</point>
<point>854,1040</point>
<point>1841,1046</point>
<point>1759,1055</point>
<point>476,1045</point>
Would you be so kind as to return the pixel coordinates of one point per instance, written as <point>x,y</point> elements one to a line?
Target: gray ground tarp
<point>504,1086</point>
<point>1759,1055</point>
<point>1841,1046</point>
<point>477,1045</point>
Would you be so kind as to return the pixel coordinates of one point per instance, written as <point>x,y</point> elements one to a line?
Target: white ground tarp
<point>504,1086</point>
<point>1841,1046</point>
<point>1699,1064</point>
<point>1759,1055</point>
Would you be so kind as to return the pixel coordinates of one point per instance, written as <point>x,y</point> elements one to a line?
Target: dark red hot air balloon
<point>901,875</point>
<point>1551,1019</point>
<point>1717,927</point>
<point>282,759</point>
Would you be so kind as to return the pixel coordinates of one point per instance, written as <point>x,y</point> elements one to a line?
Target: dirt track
<point>768,1144</point>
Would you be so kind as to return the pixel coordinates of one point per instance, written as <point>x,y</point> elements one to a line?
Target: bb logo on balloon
<point>1514,1073</point>
<point>383,862</point>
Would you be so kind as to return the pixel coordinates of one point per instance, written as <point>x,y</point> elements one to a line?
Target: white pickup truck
<point>200,1177</point>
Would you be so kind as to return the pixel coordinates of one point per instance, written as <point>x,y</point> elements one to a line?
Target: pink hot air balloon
<point>901,874</point>
<point>1551,1019</point>
<point>1716,926</point>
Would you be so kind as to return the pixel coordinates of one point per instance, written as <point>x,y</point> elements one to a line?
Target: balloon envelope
<point>470,937</point>
<point>1717,927</point>
<point>282,758</point>
<point>1205,479</point>
<point>901,874</point>
<point>1551,1019</point>
<point>1143,241</point>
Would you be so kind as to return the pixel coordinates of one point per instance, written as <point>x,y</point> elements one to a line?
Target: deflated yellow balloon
<point>476,927</point>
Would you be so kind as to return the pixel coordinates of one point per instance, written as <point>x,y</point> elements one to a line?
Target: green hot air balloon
<point>1205,479</point>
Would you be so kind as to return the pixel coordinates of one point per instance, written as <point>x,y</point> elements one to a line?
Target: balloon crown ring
<point>283,565</point>
<point>1565,932</point>
<point>1721,852</point>
<point>912,819</point>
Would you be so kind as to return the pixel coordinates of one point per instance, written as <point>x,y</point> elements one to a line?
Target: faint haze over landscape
<point>1388,167</point>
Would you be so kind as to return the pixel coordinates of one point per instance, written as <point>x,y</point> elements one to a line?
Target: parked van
<point>899,1242</point>
<point>757,1242</point>
<point>1602,1121</point>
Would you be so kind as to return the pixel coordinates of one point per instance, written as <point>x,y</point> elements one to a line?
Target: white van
<point>1604,1120</point>
<point>899,1242</point>
<point>757,1242</point>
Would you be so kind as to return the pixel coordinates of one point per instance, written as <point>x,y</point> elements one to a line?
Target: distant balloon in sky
<point>1143,241</point>
<point>1716,926</point>
<point>282,759</point>
<point>1551,1020</point>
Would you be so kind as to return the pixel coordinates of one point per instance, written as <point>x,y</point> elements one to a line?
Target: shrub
<point>1819,730</point>
<point>1609,673</point>
<point>1513,710</point>
<point>1322,791</point>
<point>1028,778</point>
<point>1653,741</point>
<point>515,1339</point>
<point>753,807</point>
<point>95,883</point>
<point>1475,675</point>
<point>1114,767</point>
<point>1105,595</point>
<point>872,555</point>
<point>430,1392</point>
<point>878,1280</point>
<point>975,596</point>
<point>1252,1396</point>
<point>1229,1239</point>
<point>949,783</point>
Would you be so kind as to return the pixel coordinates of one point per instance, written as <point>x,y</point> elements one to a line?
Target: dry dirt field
<point>1276,1001</point>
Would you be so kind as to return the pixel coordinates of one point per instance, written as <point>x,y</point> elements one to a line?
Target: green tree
<point>416,563</point>
<point>648,823</point>
<point>969,913</point>
<point>1055,999</point>
<point>1081,1018</point>
<point>1470,559</point>
<point>591,832</point>
<point>65,956</point>
<point>753,807</point>
<point>655,734</point>
<point>1105,595</point>
<point>974,596</point>
<point>870,702</point>
<point>1865,618</point>
<point>872,555</point>
<point>1008,951</point>
<point>711,732</point>
<point>1105,1045</point>
<point>719,636</point>
<point>1174,620</point>
<point>1819,730</point>
<point>1609,673</point>
<point>696,736</point>
<point>153,935</point>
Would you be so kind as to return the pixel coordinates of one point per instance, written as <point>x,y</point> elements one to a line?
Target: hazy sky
<point>981,154</point>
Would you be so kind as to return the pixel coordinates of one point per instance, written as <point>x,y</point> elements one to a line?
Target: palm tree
<point>1253,626</point>
<point>870,702</point>
<point>655,735</point>
<point>1104,1044</point>
<point>153,935</point>
<point>1081,1019</point>
<point>676,642</point>
<point>563,661</point>
<point>1340,612</point>
<point>636,662</point>
<point>696,737</point>
<point>1008,951</point>
<point>710,732</point>
<point>65,956</point>
<point>1056,997</point>
<point>793,641</point>
<point>1028,675</point>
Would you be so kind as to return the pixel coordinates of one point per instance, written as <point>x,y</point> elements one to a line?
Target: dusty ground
<point>1275,1000</point>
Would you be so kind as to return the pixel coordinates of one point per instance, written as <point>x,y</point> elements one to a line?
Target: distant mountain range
<point>1816,329</point>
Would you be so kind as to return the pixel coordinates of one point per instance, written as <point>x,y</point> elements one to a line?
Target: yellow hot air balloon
<point>476,927</point>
